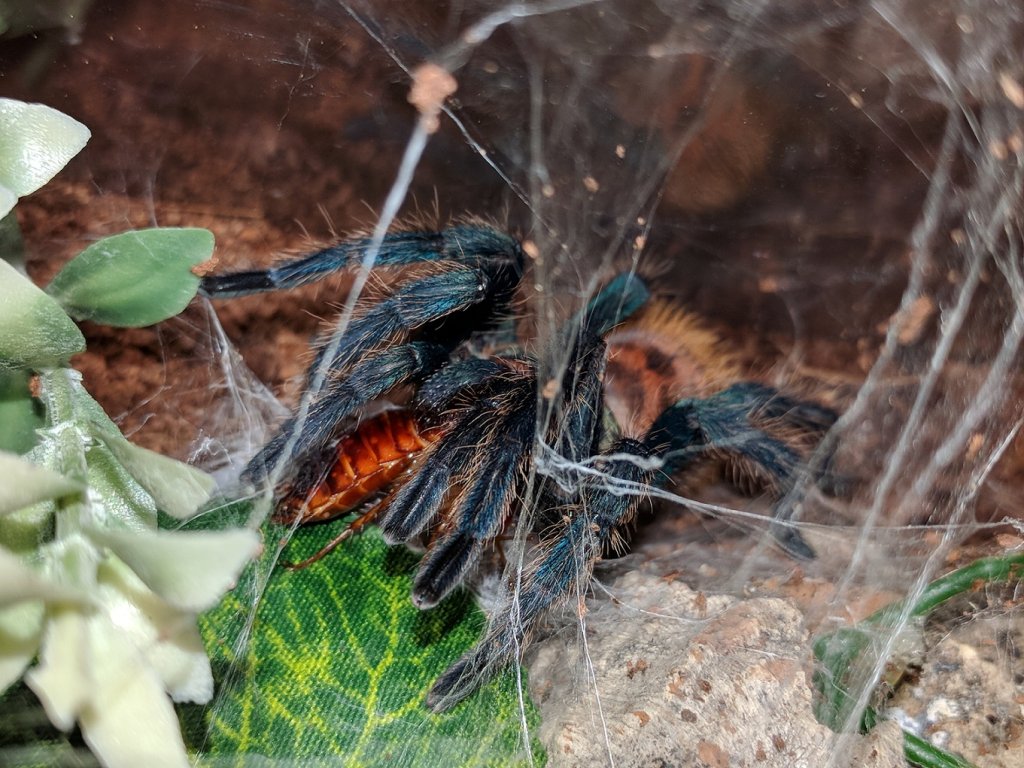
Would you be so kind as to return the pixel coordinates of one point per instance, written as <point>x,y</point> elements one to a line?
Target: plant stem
<point>967,579</point>
<point>57,393</point>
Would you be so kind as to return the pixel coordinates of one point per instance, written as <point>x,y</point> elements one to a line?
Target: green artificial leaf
<point>34,331</point>
<point>177,488</point>
<point>133,279</point>
<point>337,665</point>
<point>27,483</point>
<point>838,656</point>
<point>20,413</point>
<point>123,503</point>
<point>845,658</point>
<point>36,141</point>
<point>29,740</point>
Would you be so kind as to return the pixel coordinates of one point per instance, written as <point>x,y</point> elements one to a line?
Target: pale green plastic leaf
<point>19,583</point>
<point>177,488</point>
<point>133,279</point>
<point>26,483</point>
<point>188,569</point>
<point>124,504</point>
<point>129,722</point>
<point>36,141</point>
<point>61,679</point>
<point>21,629</point>
<point>34,331</point>
<point>24,531</point>
<point>167,636</point>
<point>7,200</point>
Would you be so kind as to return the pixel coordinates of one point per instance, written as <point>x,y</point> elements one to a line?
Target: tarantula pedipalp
<point>470,432</point>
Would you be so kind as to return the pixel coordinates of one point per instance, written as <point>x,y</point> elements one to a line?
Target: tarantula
<point>458,458</point>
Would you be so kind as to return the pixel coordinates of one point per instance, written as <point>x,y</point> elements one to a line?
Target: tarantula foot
<point>458,682</point>
<point>791,541</point>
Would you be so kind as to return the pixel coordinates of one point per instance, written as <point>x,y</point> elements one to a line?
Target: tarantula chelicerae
<point>459,457</point>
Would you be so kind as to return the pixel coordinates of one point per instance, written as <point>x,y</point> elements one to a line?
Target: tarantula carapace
<point>457,461</point>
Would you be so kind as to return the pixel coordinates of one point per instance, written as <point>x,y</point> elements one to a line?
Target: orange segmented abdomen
<point>365,462</point>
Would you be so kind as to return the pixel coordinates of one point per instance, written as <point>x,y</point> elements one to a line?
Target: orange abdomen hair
<point>365,462</point>
<point>659,356</point>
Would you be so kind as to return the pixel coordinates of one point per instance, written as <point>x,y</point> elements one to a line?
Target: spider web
<point>834,187</point>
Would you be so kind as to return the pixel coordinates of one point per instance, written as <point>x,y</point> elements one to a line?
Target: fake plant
<point>97,606</point>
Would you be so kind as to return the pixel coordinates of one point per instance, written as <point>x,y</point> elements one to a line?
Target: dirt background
<point>278,129</point>
<point>280,125</point>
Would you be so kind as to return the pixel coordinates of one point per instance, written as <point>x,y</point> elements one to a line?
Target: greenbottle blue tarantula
<point>457,467</point>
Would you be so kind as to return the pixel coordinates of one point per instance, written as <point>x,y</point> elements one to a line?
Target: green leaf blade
<point>36,141</point>
<point>28,483</point>
<point>339,663</point>
<point>34,331</point>
<point>177,488</point>
<point>133,279</point>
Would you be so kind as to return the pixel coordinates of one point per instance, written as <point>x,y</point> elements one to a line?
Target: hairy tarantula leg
<point>437,393</point>
<point>414,304</point>
<point>774,410</point>
<point>411,305</point>
<point>768,403</point>
<point>803,417</point>
<point>563,569</point>
<point>460,243</point>
<point>581,407</point>
<point>720,425</point>
<point>342,397</point>
<point>582,382</point>
<point>482,508</point>
<point>619,300</point>
<point>416,503</point>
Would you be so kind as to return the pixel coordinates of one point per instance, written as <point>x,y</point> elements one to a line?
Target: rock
<point>672,677</point>
<point>969,695</point>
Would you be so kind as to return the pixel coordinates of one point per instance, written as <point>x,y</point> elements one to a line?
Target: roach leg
<point>356,526</point>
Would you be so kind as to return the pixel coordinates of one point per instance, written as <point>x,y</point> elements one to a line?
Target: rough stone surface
<point>969,695</point>
<point>672,677</point>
